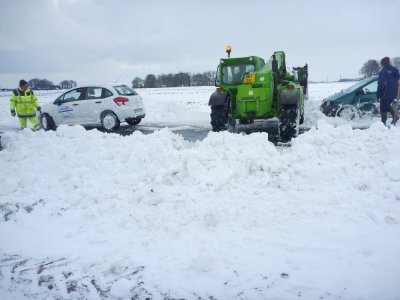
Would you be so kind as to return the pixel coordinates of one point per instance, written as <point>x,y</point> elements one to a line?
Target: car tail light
<point>290,86</point>
<point>121,100</point>
<point>219,89</point>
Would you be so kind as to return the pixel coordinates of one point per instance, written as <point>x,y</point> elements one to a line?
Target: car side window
<point>371,88</point>
<point>107,93</point>
<point>93,93</point>
<point>73,95</point>
<point>59,99</point>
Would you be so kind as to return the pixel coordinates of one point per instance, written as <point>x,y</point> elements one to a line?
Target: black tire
<point>289,119</point>
<point>368,110</point>
<point>219,117</point>
<point>245,122</point>
<point>46,122</point>
<point>133,121</point>
<point>231,124</point>
<point>301,121</point>
<point>109,121</point>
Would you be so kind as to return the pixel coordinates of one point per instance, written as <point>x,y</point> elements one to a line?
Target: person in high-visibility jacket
<point>24,104</point>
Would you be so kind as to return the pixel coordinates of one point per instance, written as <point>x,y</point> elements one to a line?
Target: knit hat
<point>385,61</point>
<point>22,82</point>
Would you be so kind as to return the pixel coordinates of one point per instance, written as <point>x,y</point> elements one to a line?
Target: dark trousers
<point>385,108</point>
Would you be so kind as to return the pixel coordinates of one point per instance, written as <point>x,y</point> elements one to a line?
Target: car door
<point>367,97</point>
<point>368,94</point>
<point>68,107</point>
<point>92,105</point>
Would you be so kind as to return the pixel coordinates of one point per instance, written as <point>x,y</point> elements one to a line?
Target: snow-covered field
<point>90,215</point>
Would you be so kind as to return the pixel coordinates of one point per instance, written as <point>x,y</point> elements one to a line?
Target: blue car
<point>354,101</point>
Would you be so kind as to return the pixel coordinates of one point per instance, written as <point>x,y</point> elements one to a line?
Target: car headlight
<point>326,103</point>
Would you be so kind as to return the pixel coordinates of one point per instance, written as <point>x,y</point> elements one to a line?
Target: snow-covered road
<point>90,215</point>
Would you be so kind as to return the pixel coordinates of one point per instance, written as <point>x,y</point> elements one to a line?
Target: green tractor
<point>248,88</point>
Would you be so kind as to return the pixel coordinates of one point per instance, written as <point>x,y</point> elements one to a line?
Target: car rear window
<point>125,90</point>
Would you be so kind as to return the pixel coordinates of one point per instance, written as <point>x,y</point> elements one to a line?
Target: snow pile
<point>229,217</point>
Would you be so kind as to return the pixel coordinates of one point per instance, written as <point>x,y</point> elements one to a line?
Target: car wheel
<point>133,121</point>
<point>46,122</point>
<point>109,121</point>
<point>348,113</point>
<point>369,110</point>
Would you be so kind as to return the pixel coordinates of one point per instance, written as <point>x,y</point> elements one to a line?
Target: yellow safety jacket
<point>25,102</point>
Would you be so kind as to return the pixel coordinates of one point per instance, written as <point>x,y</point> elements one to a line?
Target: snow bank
<point>231,216</point>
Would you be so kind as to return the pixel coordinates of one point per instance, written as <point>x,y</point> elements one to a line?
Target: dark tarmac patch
<point>198,133</point>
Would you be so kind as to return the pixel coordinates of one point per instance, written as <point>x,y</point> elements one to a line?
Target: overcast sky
<point>110,40</point>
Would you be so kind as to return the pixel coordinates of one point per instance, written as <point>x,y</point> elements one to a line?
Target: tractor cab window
<point>234,74</point>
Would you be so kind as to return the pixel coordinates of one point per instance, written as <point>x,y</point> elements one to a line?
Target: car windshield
<point>234,74</point>
<point>125,90</point>
<point>358,85</point>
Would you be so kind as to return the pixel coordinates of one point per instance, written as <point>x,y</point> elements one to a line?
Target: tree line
<point>175,80</point>
<point>372,66</point>
<point>44,84</point>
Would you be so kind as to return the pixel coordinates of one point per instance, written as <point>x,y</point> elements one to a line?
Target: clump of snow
<point>232,214</point>
<point>392,170</point>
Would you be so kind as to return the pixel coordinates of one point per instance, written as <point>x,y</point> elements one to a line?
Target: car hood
<point>335,96</point>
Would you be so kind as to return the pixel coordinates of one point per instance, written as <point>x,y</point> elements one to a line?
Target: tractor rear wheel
<point>219,118</point>
<point>302,115</point>
<point>289,118</point>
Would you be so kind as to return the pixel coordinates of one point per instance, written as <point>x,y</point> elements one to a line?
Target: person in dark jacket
<point>387,88</point>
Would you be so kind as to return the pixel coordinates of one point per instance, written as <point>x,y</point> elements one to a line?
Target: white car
<point>98,105</point>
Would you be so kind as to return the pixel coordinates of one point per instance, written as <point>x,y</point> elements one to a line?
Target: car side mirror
<point>57,102</point>
<point>360,92</point>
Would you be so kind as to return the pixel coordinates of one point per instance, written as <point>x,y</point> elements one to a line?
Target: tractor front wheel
<point>289,118</point>
<point>219,118</point>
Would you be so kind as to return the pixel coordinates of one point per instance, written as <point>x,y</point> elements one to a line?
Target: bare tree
<point>370,68</point>
<point>137,83</point>
<point>176,80</point>
<point>396,62</point>
<point>33,83</point>
<point>151,81</point>
<point>67,84</point>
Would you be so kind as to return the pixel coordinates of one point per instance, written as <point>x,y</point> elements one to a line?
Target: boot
<point>394,116</point>
<point>383,117</point>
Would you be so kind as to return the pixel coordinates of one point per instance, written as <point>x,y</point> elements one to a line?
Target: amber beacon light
<point>228,50</point>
